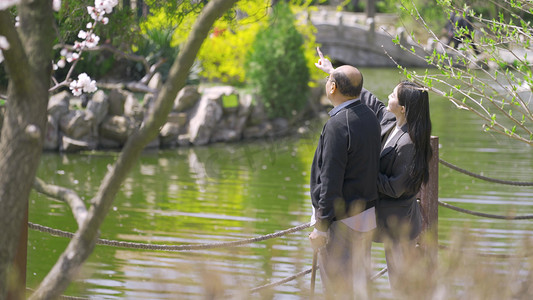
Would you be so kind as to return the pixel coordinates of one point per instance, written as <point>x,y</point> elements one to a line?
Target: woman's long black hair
<point>415,99</point>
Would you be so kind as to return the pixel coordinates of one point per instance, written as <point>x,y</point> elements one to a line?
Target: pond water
<point>227,192</point>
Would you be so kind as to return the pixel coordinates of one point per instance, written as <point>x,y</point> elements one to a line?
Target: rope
<point>479,214</point>
<point>290,278</point>
<point>379,274</point>
<point>144,246</point>
<point>456,168</point>
<point>284,280</point>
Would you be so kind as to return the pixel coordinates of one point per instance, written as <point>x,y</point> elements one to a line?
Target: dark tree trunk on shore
<point>28,64</point>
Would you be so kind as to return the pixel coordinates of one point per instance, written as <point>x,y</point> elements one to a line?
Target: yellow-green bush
<point>222,55</point>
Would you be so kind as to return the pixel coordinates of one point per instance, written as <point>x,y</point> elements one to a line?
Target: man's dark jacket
<point>345,166</point>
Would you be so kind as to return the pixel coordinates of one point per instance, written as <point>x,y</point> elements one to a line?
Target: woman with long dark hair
<point>404,159</point>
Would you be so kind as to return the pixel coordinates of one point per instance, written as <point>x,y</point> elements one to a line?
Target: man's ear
<point>333,87</point>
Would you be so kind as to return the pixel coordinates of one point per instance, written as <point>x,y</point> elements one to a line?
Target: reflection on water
<point>235,191</point>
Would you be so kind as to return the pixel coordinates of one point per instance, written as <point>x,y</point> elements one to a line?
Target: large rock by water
<point>206,114</point>
<point>51,135</point>
<point>99,107</point>
<point>199,117</point>
<point>117,98</point>
<point>186,98</point>
<point>76,123</point>
<point>116,128</point>
<point>58,104</point>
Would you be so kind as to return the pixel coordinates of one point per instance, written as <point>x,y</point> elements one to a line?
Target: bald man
<point>344,188</point>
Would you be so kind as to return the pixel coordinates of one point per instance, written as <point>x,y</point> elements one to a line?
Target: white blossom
<point>83,84</point>
<point>61,63</point>
<point>89,25</point>
<point>92,40</point>
<point>96,14</point>
<point>105,5</point>
<point>17,21</point>
<point>70,57</point>
<point>56,5</point>
<point>78,46</point>
<point>4,44</point>
<point>82,34</point>
<point>5,4</point>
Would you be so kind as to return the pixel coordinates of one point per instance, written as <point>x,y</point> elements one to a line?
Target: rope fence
<point>485,215</point>
<point>145,246</point>
<point>460,170</point>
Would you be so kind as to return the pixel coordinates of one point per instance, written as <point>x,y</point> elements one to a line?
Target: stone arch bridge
<point>355,39</point>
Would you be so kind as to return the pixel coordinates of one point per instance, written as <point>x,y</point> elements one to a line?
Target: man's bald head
<point>349,81</point>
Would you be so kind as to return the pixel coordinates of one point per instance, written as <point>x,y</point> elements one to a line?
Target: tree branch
<point>16,61</point>
<point>66,195</point>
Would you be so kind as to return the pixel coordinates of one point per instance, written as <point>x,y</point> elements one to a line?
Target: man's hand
<point>323,63</point>
<point>318,239</point>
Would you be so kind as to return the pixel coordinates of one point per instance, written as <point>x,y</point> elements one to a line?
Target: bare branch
<point>66,195</point>
<point>107,47</point>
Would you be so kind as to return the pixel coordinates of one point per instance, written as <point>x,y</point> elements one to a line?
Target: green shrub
<point>277,67</point>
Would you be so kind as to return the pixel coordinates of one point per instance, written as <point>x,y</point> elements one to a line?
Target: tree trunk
<point>82,244</point>
<point>28,64</point>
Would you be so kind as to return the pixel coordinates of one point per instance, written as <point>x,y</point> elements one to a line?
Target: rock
<point>257,114</point>
<point>257,131</point>
<point>245,105</point>
<point>205,117</point>
<point>73,145</point>
<point>51,136</point>
<point>76,123</point>
<point>58,104</point>
<point>147,101</point>
<point>184,140</point>
<point>280,126</point>
<point>225,135</point>
<point>187,97</point>
<point>117,98</point>
<point>178,119</point>
<point>99,106</point>
<point>155,82</point>
<point>229,129</point>
<point>132,107</point>
<point>106,143</point>
<point>116,128</point>
<point>168,136</point>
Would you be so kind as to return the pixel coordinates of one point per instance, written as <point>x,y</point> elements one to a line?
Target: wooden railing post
<point>429,197</point>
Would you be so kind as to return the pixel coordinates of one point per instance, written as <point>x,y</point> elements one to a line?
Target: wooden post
<point>17,291</point>
<point>429,196</point>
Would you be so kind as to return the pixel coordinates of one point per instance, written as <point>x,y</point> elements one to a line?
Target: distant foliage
<point>488,71</point>
<point>277,66</point>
